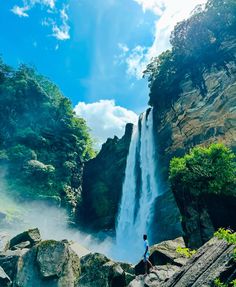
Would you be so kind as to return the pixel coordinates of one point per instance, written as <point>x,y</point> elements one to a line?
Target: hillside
<point>42,144</point>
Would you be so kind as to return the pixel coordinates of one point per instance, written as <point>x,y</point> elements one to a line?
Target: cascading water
<point>140,191</point>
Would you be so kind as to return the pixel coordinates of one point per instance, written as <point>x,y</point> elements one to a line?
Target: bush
<point>186,252</point>
<point>210,170</point>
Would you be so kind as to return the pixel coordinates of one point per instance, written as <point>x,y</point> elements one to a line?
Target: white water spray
<point>137,203</point>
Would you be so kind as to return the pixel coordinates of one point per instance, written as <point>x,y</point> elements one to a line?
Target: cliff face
<point>195,119</point>
<point>102,183</point>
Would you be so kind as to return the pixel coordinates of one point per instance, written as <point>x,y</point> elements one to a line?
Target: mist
<point>52,221</point>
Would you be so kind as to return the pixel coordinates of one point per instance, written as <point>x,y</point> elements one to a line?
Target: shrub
<point>205,170</point>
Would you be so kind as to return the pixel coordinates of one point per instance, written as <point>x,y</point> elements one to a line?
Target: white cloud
<point>123,47</point>
<point>60,28</point>
<point>20,11</point>
<point>62,32</point>
<point>105,118</point>
<point>169,13</point>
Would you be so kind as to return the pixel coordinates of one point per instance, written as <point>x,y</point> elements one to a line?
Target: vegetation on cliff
<point>205,170</point>
<point>198,44</point>
<point>42,144</point>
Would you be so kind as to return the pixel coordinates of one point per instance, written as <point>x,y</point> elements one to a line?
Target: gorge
<point>170,176</point>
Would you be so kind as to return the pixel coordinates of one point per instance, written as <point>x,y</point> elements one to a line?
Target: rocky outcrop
<point>102,183</point>
<point>99,271</point>
<point>53,263</point>
<point>214,260</point>
<point>60,264</point>
<point>165,253</point>
<point>200,119</point>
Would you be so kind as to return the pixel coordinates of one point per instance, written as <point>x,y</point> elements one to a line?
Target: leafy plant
<point>226,234</point>
<point>204,170</point>
<point>186,252</point>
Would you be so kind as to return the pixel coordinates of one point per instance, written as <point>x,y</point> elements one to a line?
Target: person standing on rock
<point>146,255</point>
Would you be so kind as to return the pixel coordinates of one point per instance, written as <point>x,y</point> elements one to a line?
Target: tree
<point>209,170</point>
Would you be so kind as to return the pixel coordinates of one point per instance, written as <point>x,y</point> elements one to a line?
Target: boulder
<point>5,281</point>
<point>164,253</point>
<point>158,275</point>
<point>99,271</point>
<point>31,235</point>
<point>48,264</point>
<point>4,241</point>
<point>8,261</point>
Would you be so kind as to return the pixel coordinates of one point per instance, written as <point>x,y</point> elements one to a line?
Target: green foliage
<point>205,170</point>
<point>197,45</point>
<point>218,283</point>
<point>227,235</point>
<point>42,142</point>
<point>186,252</point>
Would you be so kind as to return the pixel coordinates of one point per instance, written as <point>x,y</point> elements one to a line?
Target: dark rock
<point>99,271</point>
<point>102,183</point>
<point>8,261</point>
<point>32,235</point>
<point>5,281</point>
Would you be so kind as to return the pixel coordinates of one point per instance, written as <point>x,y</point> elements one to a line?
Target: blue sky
<point>94,50</point>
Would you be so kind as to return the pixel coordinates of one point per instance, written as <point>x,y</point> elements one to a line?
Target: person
<point>146,255</point>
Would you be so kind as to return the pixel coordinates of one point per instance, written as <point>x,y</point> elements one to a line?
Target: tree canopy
<point>198,44</point>
<point>42,143</point>
<point>205,170</point>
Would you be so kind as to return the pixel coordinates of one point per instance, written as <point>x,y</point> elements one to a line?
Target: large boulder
<point>164,253</point>
<point>8,261</point>
<point>5,281</point>
<point>48,264</point>
<point>31,235</point>
<point>99,271</point>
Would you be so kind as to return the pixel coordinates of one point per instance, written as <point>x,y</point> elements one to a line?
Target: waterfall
<point>139,192</point>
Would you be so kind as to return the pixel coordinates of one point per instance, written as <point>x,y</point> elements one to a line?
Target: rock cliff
<point>200,119</point>
<point>102,183</point>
